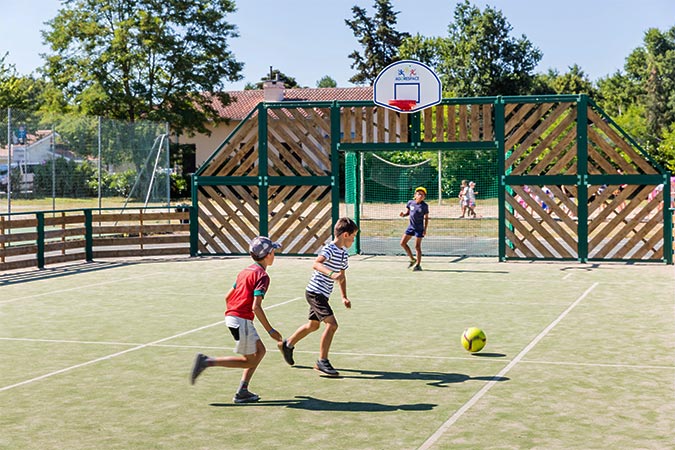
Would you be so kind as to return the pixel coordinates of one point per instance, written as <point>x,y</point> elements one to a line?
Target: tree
<point>143,59</point>
<point>379,39</point>
<point>575,81</point>
<point>479,57</point>
<point>326,82</point>
<point>18,91</point>
<point>643,98</point>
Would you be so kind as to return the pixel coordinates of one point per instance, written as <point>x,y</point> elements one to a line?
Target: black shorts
<point>319,308</point>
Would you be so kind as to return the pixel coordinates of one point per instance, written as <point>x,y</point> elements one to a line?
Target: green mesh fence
<point>377,190</point>
<point>69,161</point>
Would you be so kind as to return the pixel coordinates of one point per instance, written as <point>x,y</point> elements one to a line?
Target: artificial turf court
<point>578,356</point>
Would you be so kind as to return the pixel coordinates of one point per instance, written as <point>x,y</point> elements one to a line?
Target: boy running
<point>329,267</point>
<point>244,302</point>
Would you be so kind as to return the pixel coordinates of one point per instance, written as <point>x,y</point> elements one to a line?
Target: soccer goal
<point>378,186</point>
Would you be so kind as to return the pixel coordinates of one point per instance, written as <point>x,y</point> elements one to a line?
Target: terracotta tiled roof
<point>247,100</point>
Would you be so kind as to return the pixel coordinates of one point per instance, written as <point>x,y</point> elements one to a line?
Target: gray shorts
<point>244,334</point>
<point>319,308</point>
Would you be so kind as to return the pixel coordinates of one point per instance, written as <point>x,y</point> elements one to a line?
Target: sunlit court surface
<point>578,356</point>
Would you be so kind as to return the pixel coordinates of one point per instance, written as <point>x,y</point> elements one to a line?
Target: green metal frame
<point>415,142</point>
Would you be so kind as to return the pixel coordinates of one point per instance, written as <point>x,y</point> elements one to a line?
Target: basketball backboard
<point>407,86</point>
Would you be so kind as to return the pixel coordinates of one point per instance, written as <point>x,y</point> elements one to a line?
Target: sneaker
<point>417,268</point>
<point>287,352</point>
<point>324,366</point>
<point>198,367</point>
<point>411,263</point>
<point>245,396</point>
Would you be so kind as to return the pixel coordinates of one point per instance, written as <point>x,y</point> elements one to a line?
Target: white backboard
<point>407,80</point>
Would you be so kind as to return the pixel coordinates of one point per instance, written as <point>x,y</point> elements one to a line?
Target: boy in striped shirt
<point>329,267</point>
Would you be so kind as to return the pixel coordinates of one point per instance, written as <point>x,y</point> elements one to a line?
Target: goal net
<point>377,189</point>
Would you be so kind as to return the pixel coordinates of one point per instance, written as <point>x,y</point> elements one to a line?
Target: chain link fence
<point>67,161</point>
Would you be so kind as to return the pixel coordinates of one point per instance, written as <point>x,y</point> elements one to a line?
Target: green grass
<point>578,356</point>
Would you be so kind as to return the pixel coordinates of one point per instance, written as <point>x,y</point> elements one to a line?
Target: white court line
<point>477,396</point>
<point>137,347</point>
<point>361,354</point>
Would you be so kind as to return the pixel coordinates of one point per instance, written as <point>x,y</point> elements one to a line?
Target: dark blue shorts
<point>415,232</point>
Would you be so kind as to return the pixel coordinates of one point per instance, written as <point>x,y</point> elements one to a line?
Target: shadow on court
<point>34,274</point>
<point>57,272</point>
<point>439,379</point>
<point>316,404</point>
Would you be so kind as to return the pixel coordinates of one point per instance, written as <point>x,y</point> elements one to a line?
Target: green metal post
<point>667,221</point>
<point>582,174</point>
<point>500,141</point>
<point>40,216</point>
<point>194,224</point>
<point>88,235</point>
<point>335,166</point>
<point>415,129</point>
<point>263,179</point>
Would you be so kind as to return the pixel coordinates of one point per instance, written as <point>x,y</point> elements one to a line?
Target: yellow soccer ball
<point>473,339</point>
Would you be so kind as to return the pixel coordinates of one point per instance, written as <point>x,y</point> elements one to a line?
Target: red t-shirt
<point>251,282</point>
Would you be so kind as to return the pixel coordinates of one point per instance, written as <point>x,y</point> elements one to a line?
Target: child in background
<point>462,197</point>
<point>471,199</point>
<point>418,211</point>
<point>329,267</point>
<point>244,302</point>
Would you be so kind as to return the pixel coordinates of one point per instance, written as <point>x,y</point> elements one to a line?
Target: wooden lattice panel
<point>463,123</point>
<point>372,125</point>
<point>228,218</point>
<point>625,222</point>
<point>300,217</point>
<point>238,157</point>
<point>541,223</point>
<point>299,142</point>
<point>608,151</point>
<point>541,138</point>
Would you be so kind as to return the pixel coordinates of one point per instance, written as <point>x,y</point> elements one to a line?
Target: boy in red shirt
<point>244,302</point>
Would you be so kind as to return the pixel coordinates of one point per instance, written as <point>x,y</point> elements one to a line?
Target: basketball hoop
<point>403,105</point>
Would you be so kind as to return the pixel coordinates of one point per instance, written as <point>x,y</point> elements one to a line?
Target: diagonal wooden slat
<point>619,141</point>
<point>553,227</point>
<point>229,218</point>
<point>314,211</point>
<point>526,127</point>
<point>313,193</point>
<point>537,150</point>
<point>528,234</point>
<point>599,143</point>
<point>515,114</point>
<point>287,162</point>
<point>248,133</point>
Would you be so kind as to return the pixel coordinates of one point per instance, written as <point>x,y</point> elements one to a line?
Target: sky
<point>308,39</point>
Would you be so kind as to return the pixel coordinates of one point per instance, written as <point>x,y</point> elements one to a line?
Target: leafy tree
<point>423,49</point>
<point>617,93</point>
<point>479,57</point>
<point>326,82</point>
<point>642,99</point>
<point>379,39</point>
<point>575,81</point>
<point>143,59</point>
<point>275,74</point>
<point>18,91</point>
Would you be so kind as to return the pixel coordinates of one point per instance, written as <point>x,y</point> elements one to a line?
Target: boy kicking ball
<point>244,302</point>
